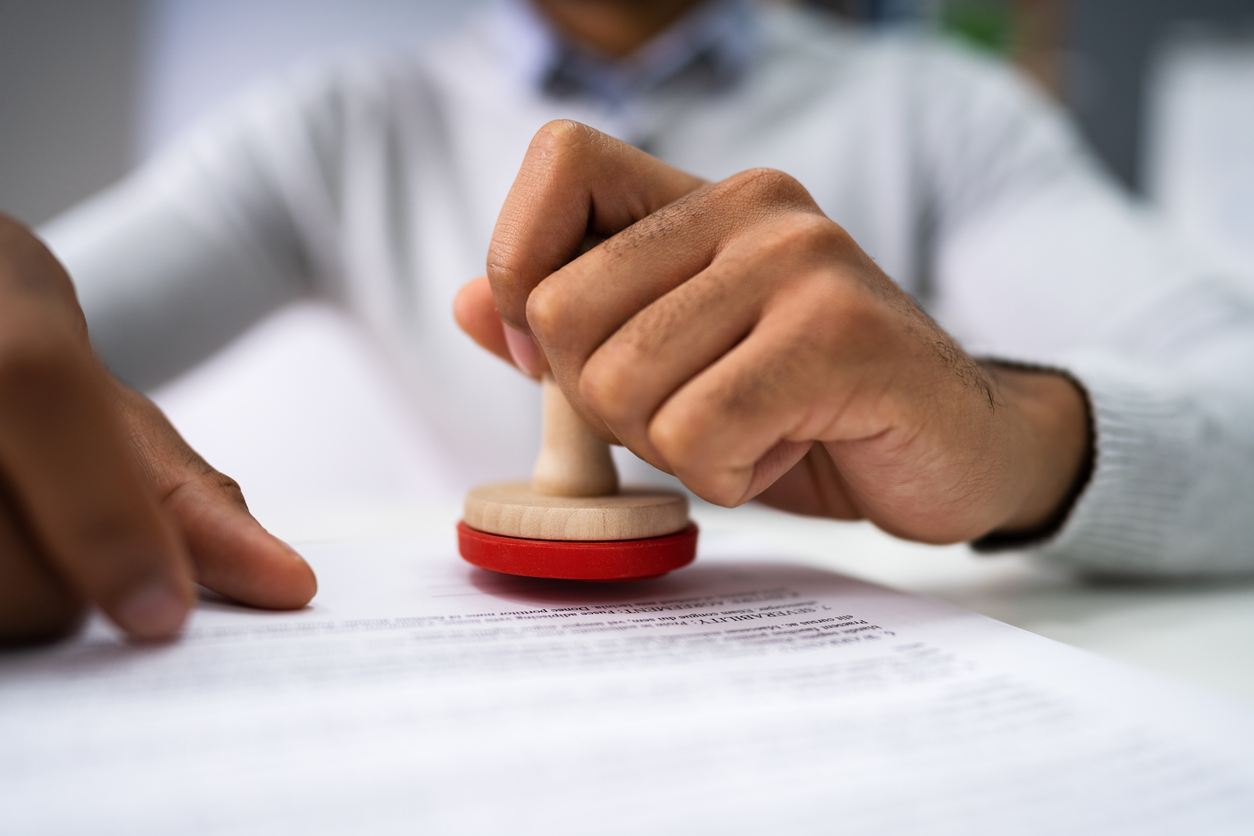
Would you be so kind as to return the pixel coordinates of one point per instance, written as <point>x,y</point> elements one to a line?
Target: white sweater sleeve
<point>179,258</point>
<point>1041,258</point>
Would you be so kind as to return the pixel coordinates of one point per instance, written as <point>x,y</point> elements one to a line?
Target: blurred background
<point>302,408</point>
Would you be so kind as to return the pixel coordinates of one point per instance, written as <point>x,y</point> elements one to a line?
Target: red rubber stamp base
<point>578,560</point>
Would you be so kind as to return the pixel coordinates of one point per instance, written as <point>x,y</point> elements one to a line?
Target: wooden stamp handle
<point>573,460</point>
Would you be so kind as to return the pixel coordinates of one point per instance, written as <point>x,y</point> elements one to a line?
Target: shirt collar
<point>714,43</point>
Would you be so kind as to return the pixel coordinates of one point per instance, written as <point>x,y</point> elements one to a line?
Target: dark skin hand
<point>731,334</point>
<point>102,502</point>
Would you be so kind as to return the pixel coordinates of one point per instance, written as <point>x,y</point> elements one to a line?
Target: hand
<point>734,336</point>
<point>102,502</point>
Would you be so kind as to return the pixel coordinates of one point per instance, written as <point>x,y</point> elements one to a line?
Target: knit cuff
<point>1127,517</point>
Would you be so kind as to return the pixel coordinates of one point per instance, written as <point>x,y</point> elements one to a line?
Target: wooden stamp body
<point>572,521</point>
<point>515,509</point>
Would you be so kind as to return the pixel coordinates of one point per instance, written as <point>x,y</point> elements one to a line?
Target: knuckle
<point>560,150</point>
<point>197,497</point>
<point>509,284</point>
<point>503,257</point>
<point>680,433</point>
<point>226,486</point>
<point>560,136</point>
<point>853,308</point>
<point>759,179</point>
<point>609,384</point>
<point>762,185</point>
<point>208,484</point>
<point>677,442</point>
<point>223,484</point>
<point>548,313</point>
<point>674,432</point>
<point>807,236</point>
<point>843,321</point>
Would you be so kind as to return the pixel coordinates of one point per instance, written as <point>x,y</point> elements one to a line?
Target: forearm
<point>164,284</point>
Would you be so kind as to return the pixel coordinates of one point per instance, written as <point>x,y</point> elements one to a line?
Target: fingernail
<point>523,350</point>
<point>153,611</point>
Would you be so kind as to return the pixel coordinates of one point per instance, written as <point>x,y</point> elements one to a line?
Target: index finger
<point>574,181</point>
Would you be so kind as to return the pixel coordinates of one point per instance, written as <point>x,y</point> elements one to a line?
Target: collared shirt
<point>712,43</point>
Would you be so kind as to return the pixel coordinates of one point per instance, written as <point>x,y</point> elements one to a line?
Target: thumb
<point>475,311</point>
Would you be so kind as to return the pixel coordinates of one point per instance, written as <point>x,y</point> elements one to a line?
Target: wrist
<point>1054,441</point>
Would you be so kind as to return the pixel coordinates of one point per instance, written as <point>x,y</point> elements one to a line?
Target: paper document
<point>745,694</point>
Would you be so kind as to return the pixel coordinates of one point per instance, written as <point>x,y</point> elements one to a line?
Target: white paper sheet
<point>746,694</point>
